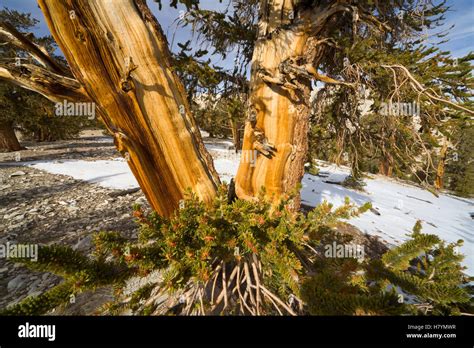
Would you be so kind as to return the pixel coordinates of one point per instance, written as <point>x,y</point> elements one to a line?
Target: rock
<point>19,217</point>
<point>14,302</point>
<point>103,204</point>
<point>141,200</point>
<point>17,283</point>
<point>3,270</point>
<point>375,211</point>
<point>12,215</point>
<point>83,244</point>
<point>35,293</point>
<point>34,287</point>
<point>18,173</point>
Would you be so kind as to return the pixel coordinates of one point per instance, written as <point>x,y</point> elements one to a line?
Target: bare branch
<point>56,88</point>
<point>422,90</point>
<point>19,40</point>
<point>368,18</point>
<point>323,78</point>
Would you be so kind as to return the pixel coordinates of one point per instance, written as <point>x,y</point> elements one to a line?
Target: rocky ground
<point>41,208</point>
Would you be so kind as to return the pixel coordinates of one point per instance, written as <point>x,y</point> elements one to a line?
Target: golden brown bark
<point>282,68</point>
<point>56,88</point>
<point>118,53</point>
<point>235,129</point>
<point>8,140</point>
<point>439,182</point>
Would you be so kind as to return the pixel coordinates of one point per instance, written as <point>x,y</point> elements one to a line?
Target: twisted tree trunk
<point>119,55</point>
<point>8,140</point>
<point>283,65</point>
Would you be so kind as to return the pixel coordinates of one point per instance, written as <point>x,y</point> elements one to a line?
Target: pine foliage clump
<point>252,258</point>
<point>430,270</point>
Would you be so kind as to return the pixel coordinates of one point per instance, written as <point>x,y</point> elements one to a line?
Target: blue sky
<point>460,38</point>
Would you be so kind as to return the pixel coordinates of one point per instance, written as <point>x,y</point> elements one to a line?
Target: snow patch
<point>400,205</point>
<point>111,174</point>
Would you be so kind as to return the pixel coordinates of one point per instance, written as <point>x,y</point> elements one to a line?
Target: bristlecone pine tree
<point>257,254</point>
<point>365,48</point>
<point>121,61</point>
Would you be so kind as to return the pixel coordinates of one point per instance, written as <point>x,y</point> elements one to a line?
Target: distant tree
<point>24,110</point>
<point>460,163</point>
<point>217,97</point>
<point>352,50</point>
<point>404,144</point>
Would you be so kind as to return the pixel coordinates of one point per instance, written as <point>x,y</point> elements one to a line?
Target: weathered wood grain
<point>118,53</point>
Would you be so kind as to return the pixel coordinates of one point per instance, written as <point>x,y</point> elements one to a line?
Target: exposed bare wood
<point>439,182</point>
<point>279,111</point>
<point>118,53</point>
<point>56,88</point>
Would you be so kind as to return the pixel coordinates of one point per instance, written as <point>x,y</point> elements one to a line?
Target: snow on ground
<point>227,168</point>
<point>110,174</point>
<point>400,205</point>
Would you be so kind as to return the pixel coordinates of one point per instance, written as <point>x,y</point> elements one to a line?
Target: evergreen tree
<point>368,127</point>
<point>377,55</point>
<point>460,162</point>
<point>24,110</point>
<point>217,97</point>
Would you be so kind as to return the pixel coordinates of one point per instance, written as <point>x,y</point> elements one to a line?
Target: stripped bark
<point>277,126</point>
<point>41,55</point>
<point>119,55</point>
<point>56,88</point>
